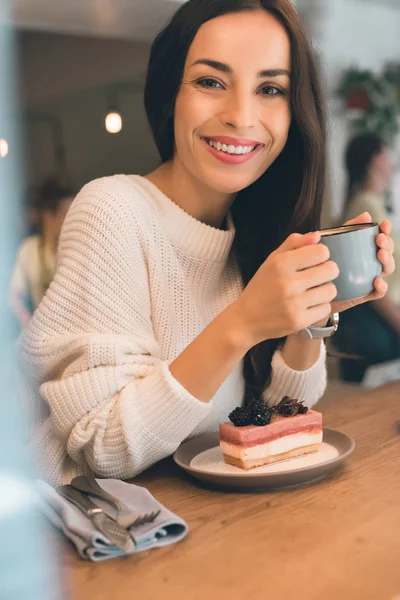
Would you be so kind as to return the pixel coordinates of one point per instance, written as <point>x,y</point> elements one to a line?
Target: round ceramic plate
<point>202,458</point>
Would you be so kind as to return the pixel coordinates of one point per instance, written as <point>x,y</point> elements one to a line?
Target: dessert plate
<point>202,458</point>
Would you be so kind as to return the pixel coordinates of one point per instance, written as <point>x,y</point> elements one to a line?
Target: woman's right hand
<point>290,291</point>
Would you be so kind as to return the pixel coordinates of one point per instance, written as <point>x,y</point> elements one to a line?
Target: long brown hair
<point>288,196</point>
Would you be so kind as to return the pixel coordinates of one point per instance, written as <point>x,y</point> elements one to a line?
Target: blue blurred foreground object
<point>25,568</point>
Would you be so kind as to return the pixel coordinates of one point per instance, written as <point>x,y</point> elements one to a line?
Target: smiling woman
<point>179,295</point>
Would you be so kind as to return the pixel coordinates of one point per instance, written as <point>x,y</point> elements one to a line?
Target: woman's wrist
<point>301,354</point>
<point>322,323</point>
<point>240,335</point>
<point>236,329</point>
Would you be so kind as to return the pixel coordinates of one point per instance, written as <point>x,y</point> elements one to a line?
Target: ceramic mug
<point>353,248</point>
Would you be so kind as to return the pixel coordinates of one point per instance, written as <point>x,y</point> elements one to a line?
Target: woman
<point>35,264</point>
<point>147,335</point>
<point>370,331</point>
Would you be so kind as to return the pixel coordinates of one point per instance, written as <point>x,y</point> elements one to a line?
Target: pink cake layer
<point>253,435</point>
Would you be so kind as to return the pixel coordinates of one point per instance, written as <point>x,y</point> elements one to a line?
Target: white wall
<point>362,33</point>
<point>350,33</point>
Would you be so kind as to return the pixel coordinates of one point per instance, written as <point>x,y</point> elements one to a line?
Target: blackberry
<point>240,416</point>
<point>256,412</point>
<point>261,414</point>
<point>263,417</point>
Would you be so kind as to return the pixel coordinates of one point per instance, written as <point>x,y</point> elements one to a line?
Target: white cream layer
<point>279,446</point>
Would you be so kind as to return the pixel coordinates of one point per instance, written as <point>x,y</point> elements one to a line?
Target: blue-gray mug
<point>353,248</point>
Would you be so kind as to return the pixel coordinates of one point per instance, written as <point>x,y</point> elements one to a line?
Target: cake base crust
<point>251,464</point>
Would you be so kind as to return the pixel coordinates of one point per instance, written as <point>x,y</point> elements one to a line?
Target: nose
<point>239,111</point>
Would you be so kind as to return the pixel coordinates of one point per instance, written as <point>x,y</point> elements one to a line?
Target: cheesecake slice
<point>288,434</point>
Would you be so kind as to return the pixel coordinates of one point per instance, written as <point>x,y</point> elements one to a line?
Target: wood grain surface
<point>335,540</point>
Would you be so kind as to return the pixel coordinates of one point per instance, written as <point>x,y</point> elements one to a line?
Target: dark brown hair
<point>50,193</point>
<point>288,196</point>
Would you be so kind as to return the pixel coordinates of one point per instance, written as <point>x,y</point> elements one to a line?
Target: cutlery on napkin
<point>167,528</point>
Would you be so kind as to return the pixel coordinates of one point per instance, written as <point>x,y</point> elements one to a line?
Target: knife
<point>111,529</point>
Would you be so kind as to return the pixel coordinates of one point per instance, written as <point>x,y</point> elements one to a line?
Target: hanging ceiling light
<point>113,121</point>
<point>3,148</point>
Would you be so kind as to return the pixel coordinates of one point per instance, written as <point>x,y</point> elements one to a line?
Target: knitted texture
<point>137,279</point>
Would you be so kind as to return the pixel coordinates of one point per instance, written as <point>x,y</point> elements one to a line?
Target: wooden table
<point>336,540</point>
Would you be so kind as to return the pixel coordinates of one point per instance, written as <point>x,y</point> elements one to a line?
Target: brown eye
<point>273,90</point>
<point>209,83</point>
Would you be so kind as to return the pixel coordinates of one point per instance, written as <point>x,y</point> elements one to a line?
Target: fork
<point>125,516</point>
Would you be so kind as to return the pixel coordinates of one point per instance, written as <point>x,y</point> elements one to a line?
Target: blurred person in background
<point>370,331</point>
<point>30,223</point>
<point>36,259</point>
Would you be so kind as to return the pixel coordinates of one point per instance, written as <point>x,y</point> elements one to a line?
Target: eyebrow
<point>224,68</point>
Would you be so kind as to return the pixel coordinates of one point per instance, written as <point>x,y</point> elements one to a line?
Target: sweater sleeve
<point>112,401</point>
<point>308,385</point>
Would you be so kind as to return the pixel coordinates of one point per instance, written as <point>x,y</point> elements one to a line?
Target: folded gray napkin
<point>166,529</point>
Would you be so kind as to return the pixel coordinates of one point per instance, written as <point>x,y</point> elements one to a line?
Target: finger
<point>306,257</point>
<point>322,294</point>
<point>381,287</point>
<point>385,242</point>
<point>387,261</point>
<point>363,218</point>
<point>298,240</point>
<point>385,227</point>
<point>316,276</point>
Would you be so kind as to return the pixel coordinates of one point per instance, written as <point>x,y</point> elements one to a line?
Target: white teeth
<point>231,149</point>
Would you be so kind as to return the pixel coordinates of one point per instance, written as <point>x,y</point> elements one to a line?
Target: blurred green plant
<point>375,97</point>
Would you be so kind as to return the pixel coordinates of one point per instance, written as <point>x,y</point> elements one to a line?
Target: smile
<point>232,153</point>
<point>230,149</point>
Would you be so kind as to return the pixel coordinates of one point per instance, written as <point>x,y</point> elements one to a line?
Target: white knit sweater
<point>137,280</point>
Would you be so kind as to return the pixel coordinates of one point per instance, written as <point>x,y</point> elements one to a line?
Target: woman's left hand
<point>385,255</point>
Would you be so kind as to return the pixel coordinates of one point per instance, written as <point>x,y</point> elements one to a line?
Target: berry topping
<point>288,407</point>
<point>261,413</point>
<point>255,413</point>
<point>241,416</point>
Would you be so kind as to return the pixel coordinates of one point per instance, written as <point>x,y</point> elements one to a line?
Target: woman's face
<point>232,113</point>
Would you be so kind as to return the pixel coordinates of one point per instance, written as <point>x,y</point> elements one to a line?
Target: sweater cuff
<point>307,386</point>
<point>167,409</point>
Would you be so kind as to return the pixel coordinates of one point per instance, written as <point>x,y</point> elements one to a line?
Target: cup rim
<point>360,227</point>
